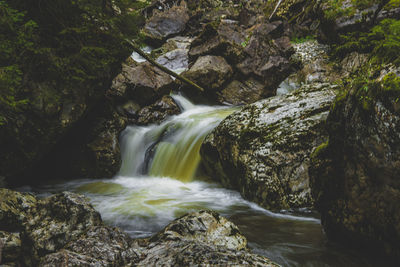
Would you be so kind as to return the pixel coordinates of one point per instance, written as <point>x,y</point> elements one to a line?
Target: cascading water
<point>157,182</point>
<point>172,148</point>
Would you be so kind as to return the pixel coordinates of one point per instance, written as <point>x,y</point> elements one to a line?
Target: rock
<point>13,209</point>
<point>176,60</point>
<point>99,246</point>
<point>315,66</point>
<point>65,230</point>
<point>238,93</point>
<point>355,16</point>
<point>93,151</point>
<point>210,72</point>
<point>158,112</point>
<point>263,149</point>
<point>353,62</point>
<point>225,40</point>
<point>142,84</point>
<point>355,175</point>
<point>200,238</point>
<point>54,222</point>
<point>266,57</point>
<point>10,248</point>
<point>165,24</point>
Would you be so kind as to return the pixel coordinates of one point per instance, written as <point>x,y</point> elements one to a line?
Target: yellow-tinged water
<point>172,148</point>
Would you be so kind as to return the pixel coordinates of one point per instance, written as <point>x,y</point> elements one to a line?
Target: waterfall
<point>170,149</point>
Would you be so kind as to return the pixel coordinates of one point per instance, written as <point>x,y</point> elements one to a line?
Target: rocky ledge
<point>263,149</point>
<point>65,230</point>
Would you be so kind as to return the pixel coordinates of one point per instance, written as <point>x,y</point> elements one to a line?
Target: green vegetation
<point>382,41</point>
<point>300,40</point>
<point>62,43</point>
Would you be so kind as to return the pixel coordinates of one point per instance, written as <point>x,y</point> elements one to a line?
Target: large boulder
<point>200,238</point>
<point>263,149</point>
<point>167,23</point>
<point>143,83</point>
<point>55,221</point>
<point>355,175</point>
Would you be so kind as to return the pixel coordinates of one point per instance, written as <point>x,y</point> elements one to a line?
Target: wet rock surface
<point>65,230</point>
<point>158,112</point>
<point>263,150</point>
<point>200,238</point>
<point>165,24</point>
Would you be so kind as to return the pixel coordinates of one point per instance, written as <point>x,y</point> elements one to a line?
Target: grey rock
<point>158,112</point>
<point>142,84</point>
<point>165,24</point>
<point>246,92</point>
<point>210,72</point>
<point>200,238</point>
<point>263,149</point>
<point>55,221</point>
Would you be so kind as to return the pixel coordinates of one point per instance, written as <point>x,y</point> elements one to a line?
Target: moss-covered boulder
<point>263,149</point>
<point>355,176</point>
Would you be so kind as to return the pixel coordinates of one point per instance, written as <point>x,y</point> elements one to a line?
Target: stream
<point>160,179</point>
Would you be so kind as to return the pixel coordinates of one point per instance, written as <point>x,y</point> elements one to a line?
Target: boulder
<point>167,23</point>
<point>158,112</point>
<point>99,246</point>
<point>227,40</point>
<point>263,149</point>
<point>55,221</point>
<point>142,84</point>
<point>14,207</point>
<point>355,175</point>
<point>176,60</point>
<point>238,93</point>
<point>268,55</point>
<point>200,238</point>
<point>210,72</point>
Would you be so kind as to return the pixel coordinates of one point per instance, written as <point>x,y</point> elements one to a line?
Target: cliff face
<point>57,60</point>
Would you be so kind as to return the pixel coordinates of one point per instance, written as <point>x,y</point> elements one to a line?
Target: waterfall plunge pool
<point>159,181</point>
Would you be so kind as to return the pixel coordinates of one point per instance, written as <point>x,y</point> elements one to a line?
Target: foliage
<point>300,40</point>
<point>382,42</point>
<point>73,44</point>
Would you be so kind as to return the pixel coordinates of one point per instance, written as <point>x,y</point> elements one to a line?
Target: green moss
<point>382,42</point>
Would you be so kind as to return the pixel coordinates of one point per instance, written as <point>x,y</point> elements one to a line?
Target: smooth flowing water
<point>160,180</point>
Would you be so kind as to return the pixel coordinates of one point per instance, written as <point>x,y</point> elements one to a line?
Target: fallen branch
<point>164,69</point>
